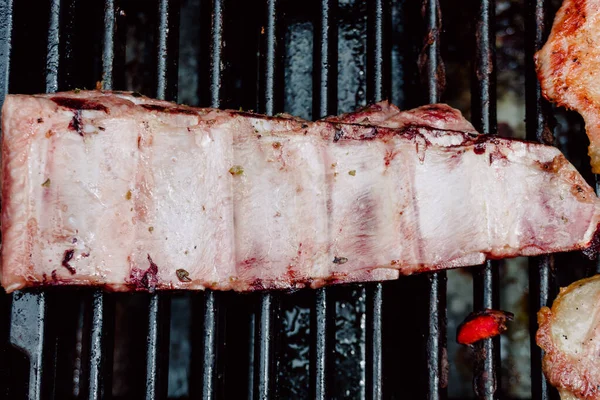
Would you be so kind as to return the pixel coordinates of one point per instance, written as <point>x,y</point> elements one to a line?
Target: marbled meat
<point>129,193</point>
<point>568,66</point>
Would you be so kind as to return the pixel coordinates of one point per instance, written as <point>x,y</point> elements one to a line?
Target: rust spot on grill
<point>79,104</point>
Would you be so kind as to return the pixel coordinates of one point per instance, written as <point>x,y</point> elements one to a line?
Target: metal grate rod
<point>210,305</point>
<point>265,370</point>
<point>29,309</point>
<point>485,278</point>
<point>97,379</point>
<point>27,333</point>
<point>157,350</point>
<point>6,7</point>
<point>108,50</point>
<point>437,371</point>
<point>377,89</point>
<point>538,128</point>
<point>324,103</point>
<point>52,55</point>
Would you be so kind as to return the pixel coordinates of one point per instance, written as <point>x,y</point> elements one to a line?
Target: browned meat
<point>569,66</point>
<point>129,193</point>
<point>569,333</point>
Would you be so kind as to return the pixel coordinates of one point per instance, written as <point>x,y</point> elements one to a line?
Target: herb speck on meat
<point>183,275</point>
<point>236,170</point>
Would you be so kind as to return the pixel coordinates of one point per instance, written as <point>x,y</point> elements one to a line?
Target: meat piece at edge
<point>568,66</point>
<point>569,334</point>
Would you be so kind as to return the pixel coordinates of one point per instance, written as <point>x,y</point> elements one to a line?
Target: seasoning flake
<point>236,170</point>
<point>183,275</point>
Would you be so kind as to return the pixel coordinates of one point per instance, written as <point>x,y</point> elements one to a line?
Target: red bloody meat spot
<point>479,148</point>
<point>482,325</point>
<point>144,279</point>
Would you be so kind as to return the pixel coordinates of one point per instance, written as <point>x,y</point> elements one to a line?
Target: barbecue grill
<point>374,341</point>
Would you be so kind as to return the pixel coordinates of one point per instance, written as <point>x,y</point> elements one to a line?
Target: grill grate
<point>324,103</point>
<point>485,278</point>
<point>31,312</point>
<point>537,111</point>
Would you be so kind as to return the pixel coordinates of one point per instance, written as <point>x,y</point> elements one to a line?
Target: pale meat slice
<point>280,196</point>
<point>130,193</point>
<point>568,66</point>
<point>103,197</point>
<point>569,333</point>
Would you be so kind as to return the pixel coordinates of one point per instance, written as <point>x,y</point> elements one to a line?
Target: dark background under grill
<point>310,59</point>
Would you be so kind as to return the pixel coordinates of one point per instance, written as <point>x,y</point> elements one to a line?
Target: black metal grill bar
<point>267,91</point>
<point>437,373</point>
<point>27,332</point>
<point>321,346</point>
<point>97,382</point>
<point>325,83</point>
<point>108,49</point>
<point>374,384</point>
<point>324,103</point>
<point>166,57</point>
<point>537,111</point>
<point>211,309</point>
<point>157,350</point>
<point>485,278</point>
<point>6,7</point>
<point>216,51</point>
<point>52,55</point>
<point>5,45</point>
<point>377,89</point>
<point>539,283</point>
<point>264,374</point>
<point>264,340</point>
<point>209,346</point>
<point>29,309</point>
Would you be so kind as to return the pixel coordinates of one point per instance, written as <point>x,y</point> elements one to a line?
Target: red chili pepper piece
<point>482,325</point>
